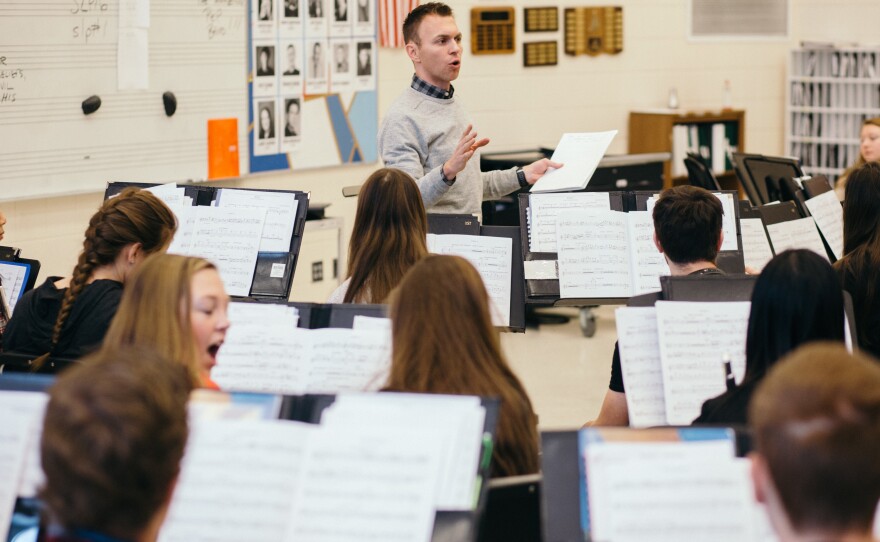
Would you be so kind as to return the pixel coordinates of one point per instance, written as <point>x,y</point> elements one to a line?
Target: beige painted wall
<point>521,108</point>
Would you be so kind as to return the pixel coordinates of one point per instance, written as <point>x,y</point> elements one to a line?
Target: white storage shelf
<point>830,93</point>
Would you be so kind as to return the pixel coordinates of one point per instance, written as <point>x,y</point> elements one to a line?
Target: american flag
<point>391,16</point>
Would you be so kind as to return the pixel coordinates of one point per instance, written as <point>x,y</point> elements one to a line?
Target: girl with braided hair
<point>68,317</point>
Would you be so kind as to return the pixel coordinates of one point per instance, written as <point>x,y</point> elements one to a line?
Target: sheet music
<point>238,480</point>
<point>580,154</point>
<point>230,238</point>
<point>186,223</point>
<point>693,338</point>
<point>492,256</point>
<point>457,422</point>
<point>171,195</point>
<point>545,208</point>
<point>13,445</point>
<point>594,258</point>
<point>366,484</point>
<point>13,276</point>
<point>728,222</point>
<point>640,364</point>
<point>362,323</point>
<point>828,214</point>
<point>756,246</point>
<point>647,263</point>
<point>348,360</point>
<point>280,208</point>
<point>800,233</point>
<point>272,358</point>
<point>670,491</point>
<point>28,406</point>
<point>257,314</point>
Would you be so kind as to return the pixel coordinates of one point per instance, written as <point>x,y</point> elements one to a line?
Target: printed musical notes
<point>640,363</point>
<point>492,256</point>
<point>800,233</point>
<point>545,208</point>
<point>756,246</point>
<point>693,339</point>
<point>280,214</point>
<point>828,214</point>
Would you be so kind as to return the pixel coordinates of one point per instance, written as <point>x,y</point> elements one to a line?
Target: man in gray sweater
<point>428,135</point>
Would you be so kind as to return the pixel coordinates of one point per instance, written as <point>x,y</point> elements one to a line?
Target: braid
<point>131,217</point>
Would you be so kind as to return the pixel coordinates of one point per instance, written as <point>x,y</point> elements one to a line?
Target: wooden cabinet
<point>678,132</point>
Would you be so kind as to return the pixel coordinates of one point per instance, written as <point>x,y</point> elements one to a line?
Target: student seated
<point>176,305</point>
<point>816,422</point>
<point>861,253</point>
<point>444,342</point>
<point>113,436</point>
<point>687,230</point>
<point>389,236</point>
<point>68,317</point>
<point>797,299</point>
<point>869,151</point>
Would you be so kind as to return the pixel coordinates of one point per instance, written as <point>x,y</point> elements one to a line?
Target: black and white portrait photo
<point>265,56</point>
<point>364,58</point>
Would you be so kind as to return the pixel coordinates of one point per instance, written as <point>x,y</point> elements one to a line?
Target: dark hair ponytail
<point>134,216</point>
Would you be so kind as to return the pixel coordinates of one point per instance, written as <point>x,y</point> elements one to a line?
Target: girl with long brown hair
<point>68,317</point>
<point>869,151</point>
<point>389,236</point>
<point>444,342</point>
<point>177,306</point>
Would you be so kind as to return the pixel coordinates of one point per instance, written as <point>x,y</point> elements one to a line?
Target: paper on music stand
<point>13,445</point>
<point>238,480</point>
<point>640,364</point>
<point>693,338</point>
<point>668,491</point>
<point>756,246</point>
<point>367,483</point>
<point>28,406</point>
<point>280,208</point>
<point>828,214</point>
<point>580,154</point>
<point>458,421</point>
<point>14,277</point>
<point>492,256</point>
<point>230,238</point>
<point>792,234</point>
<point>544,209</point>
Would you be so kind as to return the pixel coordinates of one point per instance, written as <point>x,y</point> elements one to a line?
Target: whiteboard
<point>56,53</point>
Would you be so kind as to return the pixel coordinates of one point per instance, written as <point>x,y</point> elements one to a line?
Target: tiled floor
<point>565,373</point>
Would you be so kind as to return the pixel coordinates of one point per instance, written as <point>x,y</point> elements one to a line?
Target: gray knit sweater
<point>418,134</point>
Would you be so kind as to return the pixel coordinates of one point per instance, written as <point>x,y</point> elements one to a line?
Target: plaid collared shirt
<point>424,87</point>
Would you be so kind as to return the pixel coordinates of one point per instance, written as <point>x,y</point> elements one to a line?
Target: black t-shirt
<point>731,407</point>
<point>865,309</point>
<point>644,300</point>
<point>30,329</point>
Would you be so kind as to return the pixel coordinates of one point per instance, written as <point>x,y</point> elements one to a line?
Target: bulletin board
<point>56,53</point>
<point>312,83</point>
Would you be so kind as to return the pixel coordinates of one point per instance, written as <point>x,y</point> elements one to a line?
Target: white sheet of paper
<point>12,276</point>
<point>668,492</point>
<point>492,256</point>
<point>580,154</point>
<point>230,238</point>
<point>258,314</point>
<point>363,323</point>
<point>457,421</point>
<point>647,264</point>
<point>594,257</point>
<point>238,481</point>
<point>171,195</point>
<point>640,365</point>
<point>133,59</point>
<point>271,358</point>
<point>29,406</point>
<point>828,214</point>
<point>800,233</point>
<point>693,338</point>
<point>280,208</point>
<point>186,225</point>
<point>366,484</point>
<point>13,447</point>
<point>756,246</point>
<point>728,222</point>
<point>545,208</point>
